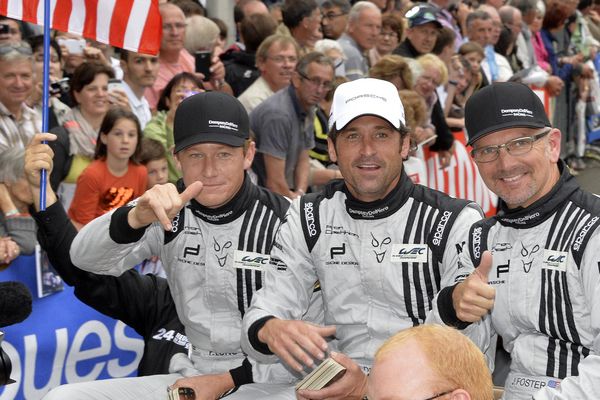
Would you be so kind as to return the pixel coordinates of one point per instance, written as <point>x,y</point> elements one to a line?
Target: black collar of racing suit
<point>228,212</point>
<point>381,208</point>
<point>543,208</point>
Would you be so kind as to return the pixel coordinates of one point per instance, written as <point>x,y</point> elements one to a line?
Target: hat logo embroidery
<point>222,125</point>
<point>516,112</point>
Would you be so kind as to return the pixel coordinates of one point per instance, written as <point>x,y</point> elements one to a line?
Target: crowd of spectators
<point>113,110</point>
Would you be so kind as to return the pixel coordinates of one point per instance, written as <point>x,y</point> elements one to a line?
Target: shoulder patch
<point>478,235</point>
<point>309,218</point>
<point>178,225</point>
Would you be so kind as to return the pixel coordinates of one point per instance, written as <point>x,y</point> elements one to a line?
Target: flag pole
<point>45,96</point>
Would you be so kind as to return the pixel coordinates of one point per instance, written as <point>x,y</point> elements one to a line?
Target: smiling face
<point>428,81</point>
<point>219,167</point>
<point>93,97</point>
<point>369,153</point>
<point>521,180</point>
<point>16,82</point>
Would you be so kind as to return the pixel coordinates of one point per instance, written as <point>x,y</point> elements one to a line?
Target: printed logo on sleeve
<point>250,260</point>
<point>409,253</point>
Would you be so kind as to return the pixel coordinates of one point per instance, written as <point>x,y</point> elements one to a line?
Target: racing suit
<point>379,264</point>
<point>546,272</point>
<point>214,260</point>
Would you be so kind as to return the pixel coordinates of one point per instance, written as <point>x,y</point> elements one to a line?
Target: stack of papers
<point>321,376</point>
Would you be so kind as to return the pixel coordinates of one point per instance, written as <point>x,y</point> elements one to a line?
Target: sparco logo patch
<point>477,242</point>
<point>582,233</point>
<point>310,219</point>
<point>409,253</point>
<point>439,230</point>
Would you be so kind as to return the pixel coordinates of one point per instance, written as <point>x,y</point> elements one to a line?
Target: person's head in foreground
<point>212,145</point>
<point>429,362</point>
<point>515,147</point>
<point>368,137</point>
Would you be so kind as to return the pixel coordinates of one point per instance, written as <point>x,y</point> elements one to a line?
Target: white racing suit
<point>379,264</point>
<point>214,260</point>
<point>546,272</point>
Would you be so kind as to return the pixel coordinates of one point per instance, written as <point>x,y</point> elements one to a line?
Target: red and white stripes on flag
<point>129,24</point>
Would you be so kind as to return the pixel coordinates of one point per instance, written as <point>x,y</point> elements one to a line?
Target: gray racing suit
<point>546,272</point>
<point>379,264</point>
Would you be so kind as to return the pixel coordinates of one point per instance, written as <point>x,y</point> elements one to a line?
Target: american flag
<point>129,24</point>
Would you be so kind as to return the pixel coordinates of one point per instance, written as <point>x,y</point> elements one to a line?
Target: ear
<point>249,156</point>
<point>296,79</point>
<point>176,158</point>
<point>554,144</point>
<point>103,138</point>
<point>350,27</point>
<point>331,150</point>
<point>260,64</point>
<point>123,65</point>
<point>77,96</point>
<point>405,146</point>
<point>460,394</point>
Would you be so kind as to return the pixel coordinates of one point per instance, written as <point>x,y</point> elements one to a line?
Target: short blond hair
<point>452,356</point>
<point>391,66</point>
<point>431,60</point>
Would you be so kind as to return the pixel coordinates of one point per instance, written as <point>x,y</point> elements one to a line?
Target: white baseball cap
<point>367,96</point>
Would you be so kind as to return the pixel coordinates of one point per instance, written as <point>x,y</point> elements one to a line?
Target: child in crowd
<point>154,157</point>
<point>114,177</point>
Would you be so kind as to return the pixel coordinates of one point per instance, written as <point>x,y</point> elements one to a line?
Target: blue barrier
<point>63,341</point>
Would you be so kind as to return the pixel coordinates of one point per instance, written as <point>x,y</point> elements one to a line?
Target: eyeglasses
<point>327,85</point>
<point>430,79</point>
<point>22,48</point>
<point>282,59</point>
<point>390,35</point>
<point>515,147</point>
<point>332,15</point>
<point>174,27</point>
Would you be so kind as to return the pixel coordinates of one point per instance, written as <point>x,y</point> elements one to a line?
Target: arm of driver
<point>287,289</point>
<point>112,243</point>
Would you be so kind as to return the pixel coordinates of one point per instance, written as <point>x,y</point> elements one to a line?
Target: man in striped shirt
<point>18,122</point>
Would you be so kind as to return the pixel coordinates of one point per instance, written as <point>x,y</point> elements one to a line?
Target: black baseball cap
<point>210,117</point>
<point>502,106</point>
<point>422,14</point>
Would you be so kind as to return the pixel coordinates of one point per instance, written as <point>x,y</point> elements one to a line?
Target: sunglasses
<point>22,48</point>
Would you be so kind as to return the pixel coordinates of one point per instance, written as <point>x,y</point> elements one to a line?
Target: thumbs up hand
<point>474,297</point>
